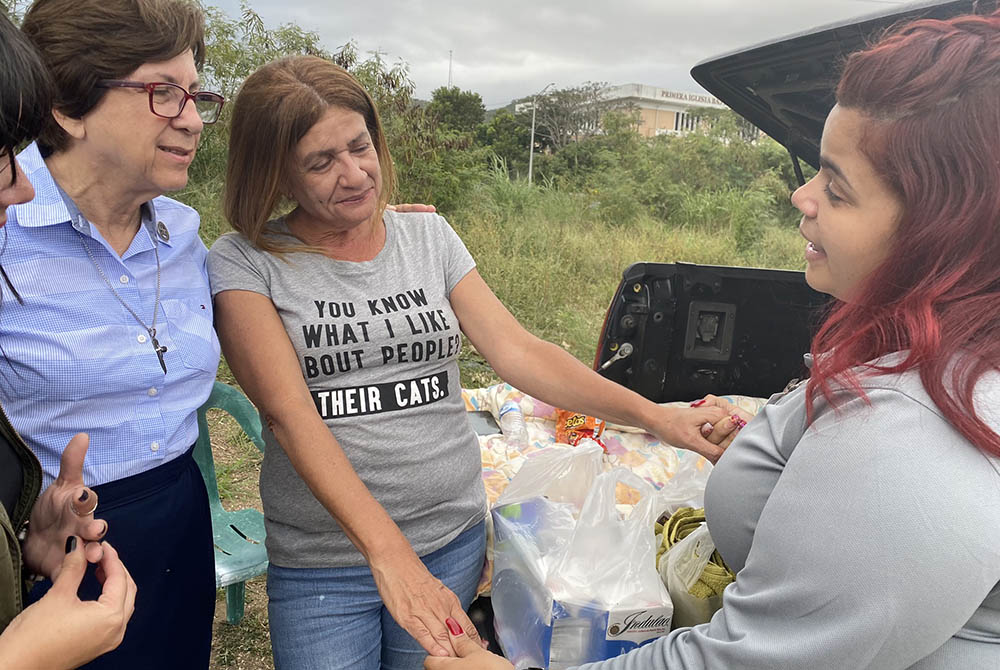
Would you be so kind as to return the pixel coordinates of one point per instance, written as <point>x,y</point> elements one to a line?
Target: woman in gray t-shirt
<point>343,324</point>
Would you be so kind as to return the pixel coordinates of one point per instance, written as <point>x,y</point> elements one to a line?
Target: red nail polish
<point>698,403</point>
<point>453,626</point>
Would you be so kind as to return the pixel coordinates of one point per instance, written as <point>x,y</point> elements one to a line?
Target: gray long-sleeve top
<point>869,540</point>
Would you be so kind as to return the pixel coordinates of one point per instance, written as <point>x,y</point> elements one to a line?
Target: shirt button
<point>141,338</point>
<point>155,446</point>
<point>152,392</point>
<point>123,279</point>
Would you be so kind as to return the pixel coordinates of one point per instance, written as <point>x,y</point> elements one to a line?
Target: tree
<point>456,109</point>
<point>725,124</point>
<point>14,9</point>
<point>570,114</point>
<point>508,137</point>
<point>235,48</point>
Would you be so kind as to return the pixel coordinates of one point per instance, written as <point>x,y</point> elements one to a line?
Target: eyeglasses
<point>168,100</point>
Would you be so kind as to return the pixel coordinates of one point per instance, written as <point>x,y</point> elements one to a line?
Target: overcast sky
<point>505,49</point>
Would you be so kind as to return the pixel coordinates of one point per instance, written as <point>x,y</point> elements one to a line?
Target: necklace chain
<point>151,329</point>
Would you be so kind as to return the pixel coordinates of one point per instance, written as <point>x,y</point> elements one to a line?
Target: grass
<point>555,263</point>
<point>554,260</point>
<point>237,467</point>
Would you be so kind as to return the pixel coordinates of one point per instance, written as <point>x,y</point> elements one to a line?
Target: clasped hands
<point>419,602</point>
<point>707,427</point>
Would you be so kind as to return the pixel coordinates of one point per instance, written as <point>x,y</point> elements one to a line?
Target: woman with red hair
<point>861,511</point>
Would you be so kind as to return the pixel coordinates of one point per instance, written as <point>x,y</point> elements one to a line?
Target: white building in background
<point>661,111</point>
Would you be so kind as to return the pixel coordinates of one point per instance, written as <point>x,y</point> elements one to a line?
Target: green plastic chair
<point>239,535</point>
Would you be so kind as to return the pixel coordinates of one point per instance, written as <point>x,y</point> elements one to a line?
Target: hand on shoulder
<point>404,208</point>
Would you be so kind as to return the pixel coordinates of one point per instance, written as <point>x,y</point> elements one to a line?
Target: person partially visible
<point>114,337</point>
<point>56,534</point>
<point>861,510</point>
<point>343,321</point>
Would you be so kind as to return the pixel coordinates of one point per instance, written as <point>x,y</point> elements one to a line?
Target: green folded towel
<point>717,575</point>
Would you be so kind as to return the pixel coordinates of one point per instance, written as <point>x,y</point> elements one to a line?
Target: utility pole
<point>449,68</point>
<point>531,147</point>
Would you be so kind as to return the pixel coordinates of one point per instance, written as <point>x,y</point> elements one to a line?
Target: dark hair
<point>25,92</point>
<point>275,108</point>
<point>25,102</point>
<point>83,41</point>
<point>930,91</point>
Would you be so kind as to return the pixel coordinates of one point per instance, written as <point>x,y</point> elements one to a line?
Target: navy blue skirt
<point>159,521</point>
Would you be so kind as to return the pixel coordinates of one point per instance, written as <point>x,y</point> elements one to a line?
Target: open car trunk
<point>786,87</point>
<point>677,331</point>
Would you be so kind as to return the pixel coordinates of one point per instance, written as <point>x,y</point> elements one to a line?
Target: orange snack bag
<point>571,427</point>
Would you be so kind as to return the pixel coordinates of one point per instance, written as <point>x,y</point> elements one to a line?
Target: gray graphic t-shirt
<point>377,343</point>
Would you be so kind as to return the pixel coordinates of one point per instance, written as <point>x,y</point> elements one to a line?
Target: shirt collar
<point>47,207</point>
<point>51,205</point>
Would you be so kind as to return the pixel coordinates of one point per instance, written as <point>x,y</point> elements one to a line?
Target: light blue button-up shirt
<point>77,360</point>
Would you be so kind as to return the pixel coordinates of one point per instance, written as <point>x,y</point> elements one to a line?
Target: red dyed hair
<point>931,93</point>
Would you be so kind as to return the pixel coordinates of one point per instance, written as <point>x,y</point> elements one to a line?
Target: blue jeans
<point>333,618</point>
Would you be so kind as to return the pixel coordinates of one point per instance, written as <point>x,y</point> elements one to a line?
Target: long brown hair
<point>275,108</point>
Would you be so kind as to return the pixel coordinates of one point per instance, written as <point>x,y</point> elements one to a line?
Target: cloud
<point>510,48</point>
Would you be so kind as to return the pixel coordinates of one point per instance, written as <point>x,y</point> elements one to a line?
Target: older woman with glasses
<point>114,336</point>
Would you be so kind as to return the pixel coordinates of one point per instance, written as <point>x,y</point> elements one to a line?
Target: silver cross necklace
<point>157,347</point>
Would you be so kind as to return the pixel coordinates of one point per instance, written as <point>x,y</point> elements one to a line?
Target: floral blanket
<point>661,464</point>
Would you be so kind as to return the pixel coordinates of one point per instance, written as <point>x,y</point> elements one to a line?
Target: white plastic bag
<point>680,568</point>
<point>560,474</point>
<point>611,559</point>
<point>574,581</point>
<point>533,521</point>
<point>687,486</point>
